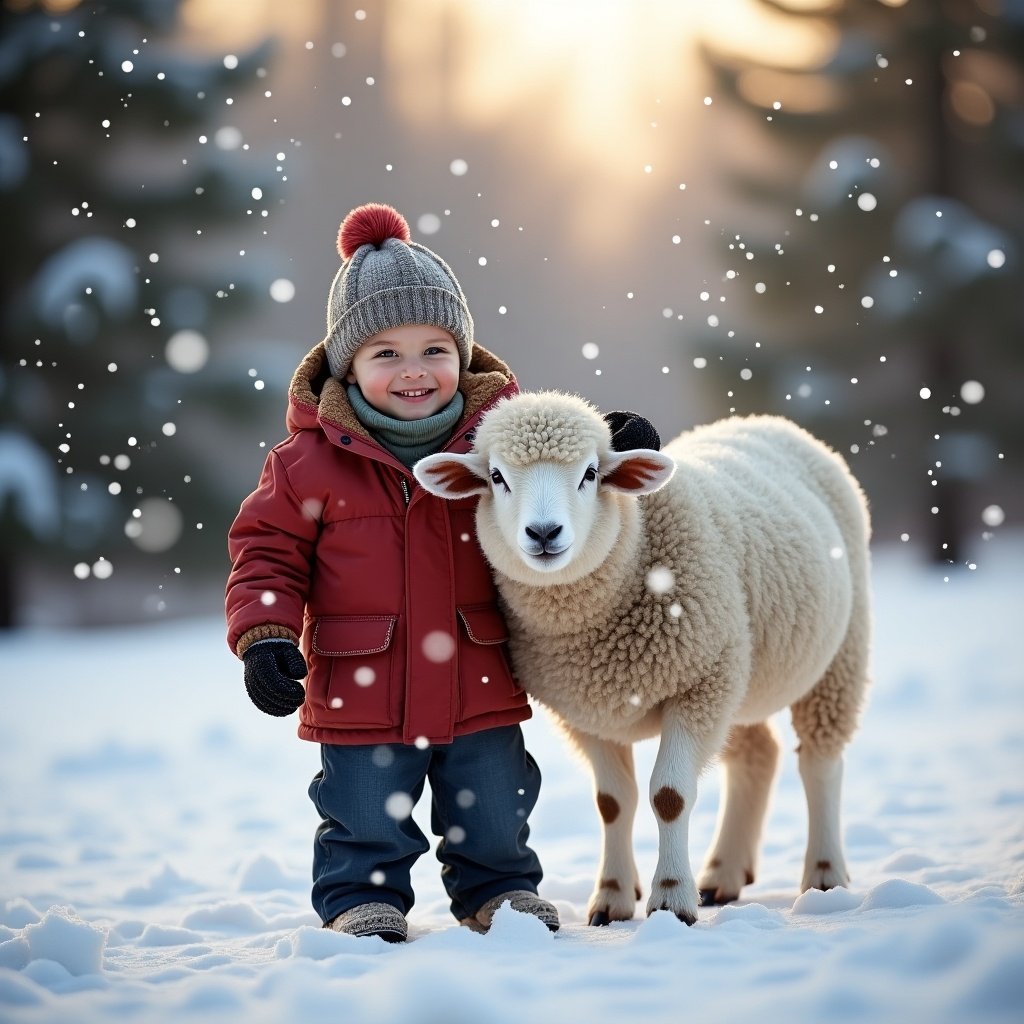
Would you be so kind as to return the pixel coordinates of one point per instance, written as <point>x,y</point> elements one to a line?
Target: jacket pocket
<point>486,683</point>
<point>353,683</point>
<point>483,623</point>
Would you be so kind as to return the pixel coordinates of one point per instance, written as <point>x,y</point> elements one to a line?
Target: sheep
<point>689,594</point>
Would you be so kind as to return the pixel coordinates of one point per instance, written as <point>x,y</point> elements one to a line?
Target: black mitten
<point>272,671</point>
<point>631,430</point>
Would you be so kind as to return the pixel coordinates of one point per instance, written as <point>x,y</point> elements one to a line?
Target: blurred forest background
<point>807,207</point>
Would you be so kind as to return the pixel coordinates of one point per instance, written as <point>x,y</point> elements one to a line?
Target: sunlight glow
<point>600,87</point>
<point>591,63</point>
<point>50,6</point>
<point>748,30</point>
<point>797,94</point>
<point>599,68</point>
<point>597,92</point>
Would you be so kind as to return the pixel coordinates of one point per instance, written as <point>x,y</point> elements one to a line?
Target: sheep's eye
<point>497,479</point>
<point>590,474</point>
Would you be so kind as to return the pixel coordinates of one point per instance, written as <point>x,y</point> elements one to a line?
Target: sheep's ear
<point>453,476</point>
<point>638,471</point>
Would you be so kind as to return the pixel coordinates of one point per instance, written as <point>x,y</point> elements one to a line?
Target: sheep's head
<point>550,485</point>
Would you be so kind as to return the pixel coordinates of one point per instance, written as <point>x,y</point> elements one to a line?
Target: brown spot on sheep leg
<point>610,883</point>
<point>668,803</point>
<point>608,807</point>
<point>636,891</point>
<point>669,883</point>
<point>714,863</point>
<point>750,877</point>
<point>824,865</point>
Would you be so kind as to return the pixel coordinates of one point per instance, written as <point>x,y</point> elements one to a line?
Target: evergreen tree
<point>888,287</point>
<point>116,161</point>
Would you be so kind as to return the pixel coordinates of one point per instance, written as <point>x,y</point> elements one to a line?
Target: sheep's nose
<point>543,533</point>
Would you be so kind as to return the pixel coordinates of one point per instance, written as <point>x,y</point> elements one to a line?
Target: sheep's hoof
<point>710,898</point>
<point>599,918</point>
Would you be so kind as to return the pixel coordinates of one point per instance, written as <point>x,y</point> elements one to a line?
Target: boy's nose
<point>414,371</point>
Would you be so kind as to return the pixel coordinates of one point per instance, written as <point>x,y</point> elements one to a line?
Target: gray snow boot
<point>368,919</point>
<point>523,900</point>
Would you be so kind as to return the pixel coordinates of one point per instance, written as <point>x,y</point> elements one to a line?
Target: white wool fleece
<point>543,425</point>
<point>762,533</point>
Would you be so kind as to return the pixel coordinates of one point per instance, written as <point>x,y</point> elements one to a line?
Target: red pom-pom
<point>372,224</point>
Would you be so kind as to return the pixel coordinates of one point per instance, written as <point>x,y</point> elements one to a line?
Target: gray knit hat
<point>386,281</point>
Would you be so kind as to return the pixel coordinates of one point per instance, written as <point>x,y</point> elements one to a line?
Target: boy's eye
<point>384,352</point>
<point>435,350</point>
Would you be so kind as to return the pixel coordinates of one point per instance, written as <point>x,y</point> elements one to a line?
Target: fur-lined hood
<point>316,398</point>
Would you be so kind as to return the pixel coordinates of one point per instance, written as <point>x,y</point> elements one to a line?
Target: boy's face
<point>408,372</point>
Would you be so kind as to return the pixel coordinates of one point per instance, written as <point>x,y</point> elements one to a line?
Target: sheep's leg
<point>824,721</point>
<point>824,863</point>
<point>617,887</point>
<point>749,761</point>
<point>678,764</point>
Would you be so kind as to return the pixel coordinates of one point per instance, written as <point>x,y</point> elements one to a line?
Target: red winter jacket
<point>384,585</point>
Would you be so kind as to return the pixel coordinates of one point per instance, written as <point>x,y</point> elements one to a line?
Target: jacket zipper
<point>405,489</point>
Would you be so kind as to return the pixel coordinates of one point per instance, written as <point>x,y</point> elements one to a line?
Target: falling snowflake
<point>438,646</point>
<point>186,351</point>
<point>993,515</point>
<point>382,756</point>
<point>660,580</point>
<point>282,290</point>
<point>313,508</point>
<point>972,392</point>
<point>398,806</point>
<point>364,676</point>
<point>429,224</point>
<point>155,525</point>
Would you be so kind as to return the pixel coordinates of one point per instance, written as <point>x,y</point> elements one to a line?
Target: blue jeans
<point>484,786</point>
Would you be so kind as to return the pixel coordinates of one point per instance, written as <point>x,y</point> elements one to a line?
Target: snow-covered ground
<point>156,836</point>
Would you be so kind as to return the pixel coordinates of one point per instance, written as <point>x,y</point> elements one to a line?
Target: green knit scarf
<point>407,440</point>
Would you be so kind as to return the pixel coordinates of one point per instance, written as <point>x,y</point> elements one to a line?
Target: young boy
<point>346,573</point>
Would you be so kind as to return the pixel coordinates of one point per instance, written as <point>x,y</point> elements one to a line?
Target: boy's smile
<point>408,372</point>
<point>415,396</point>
